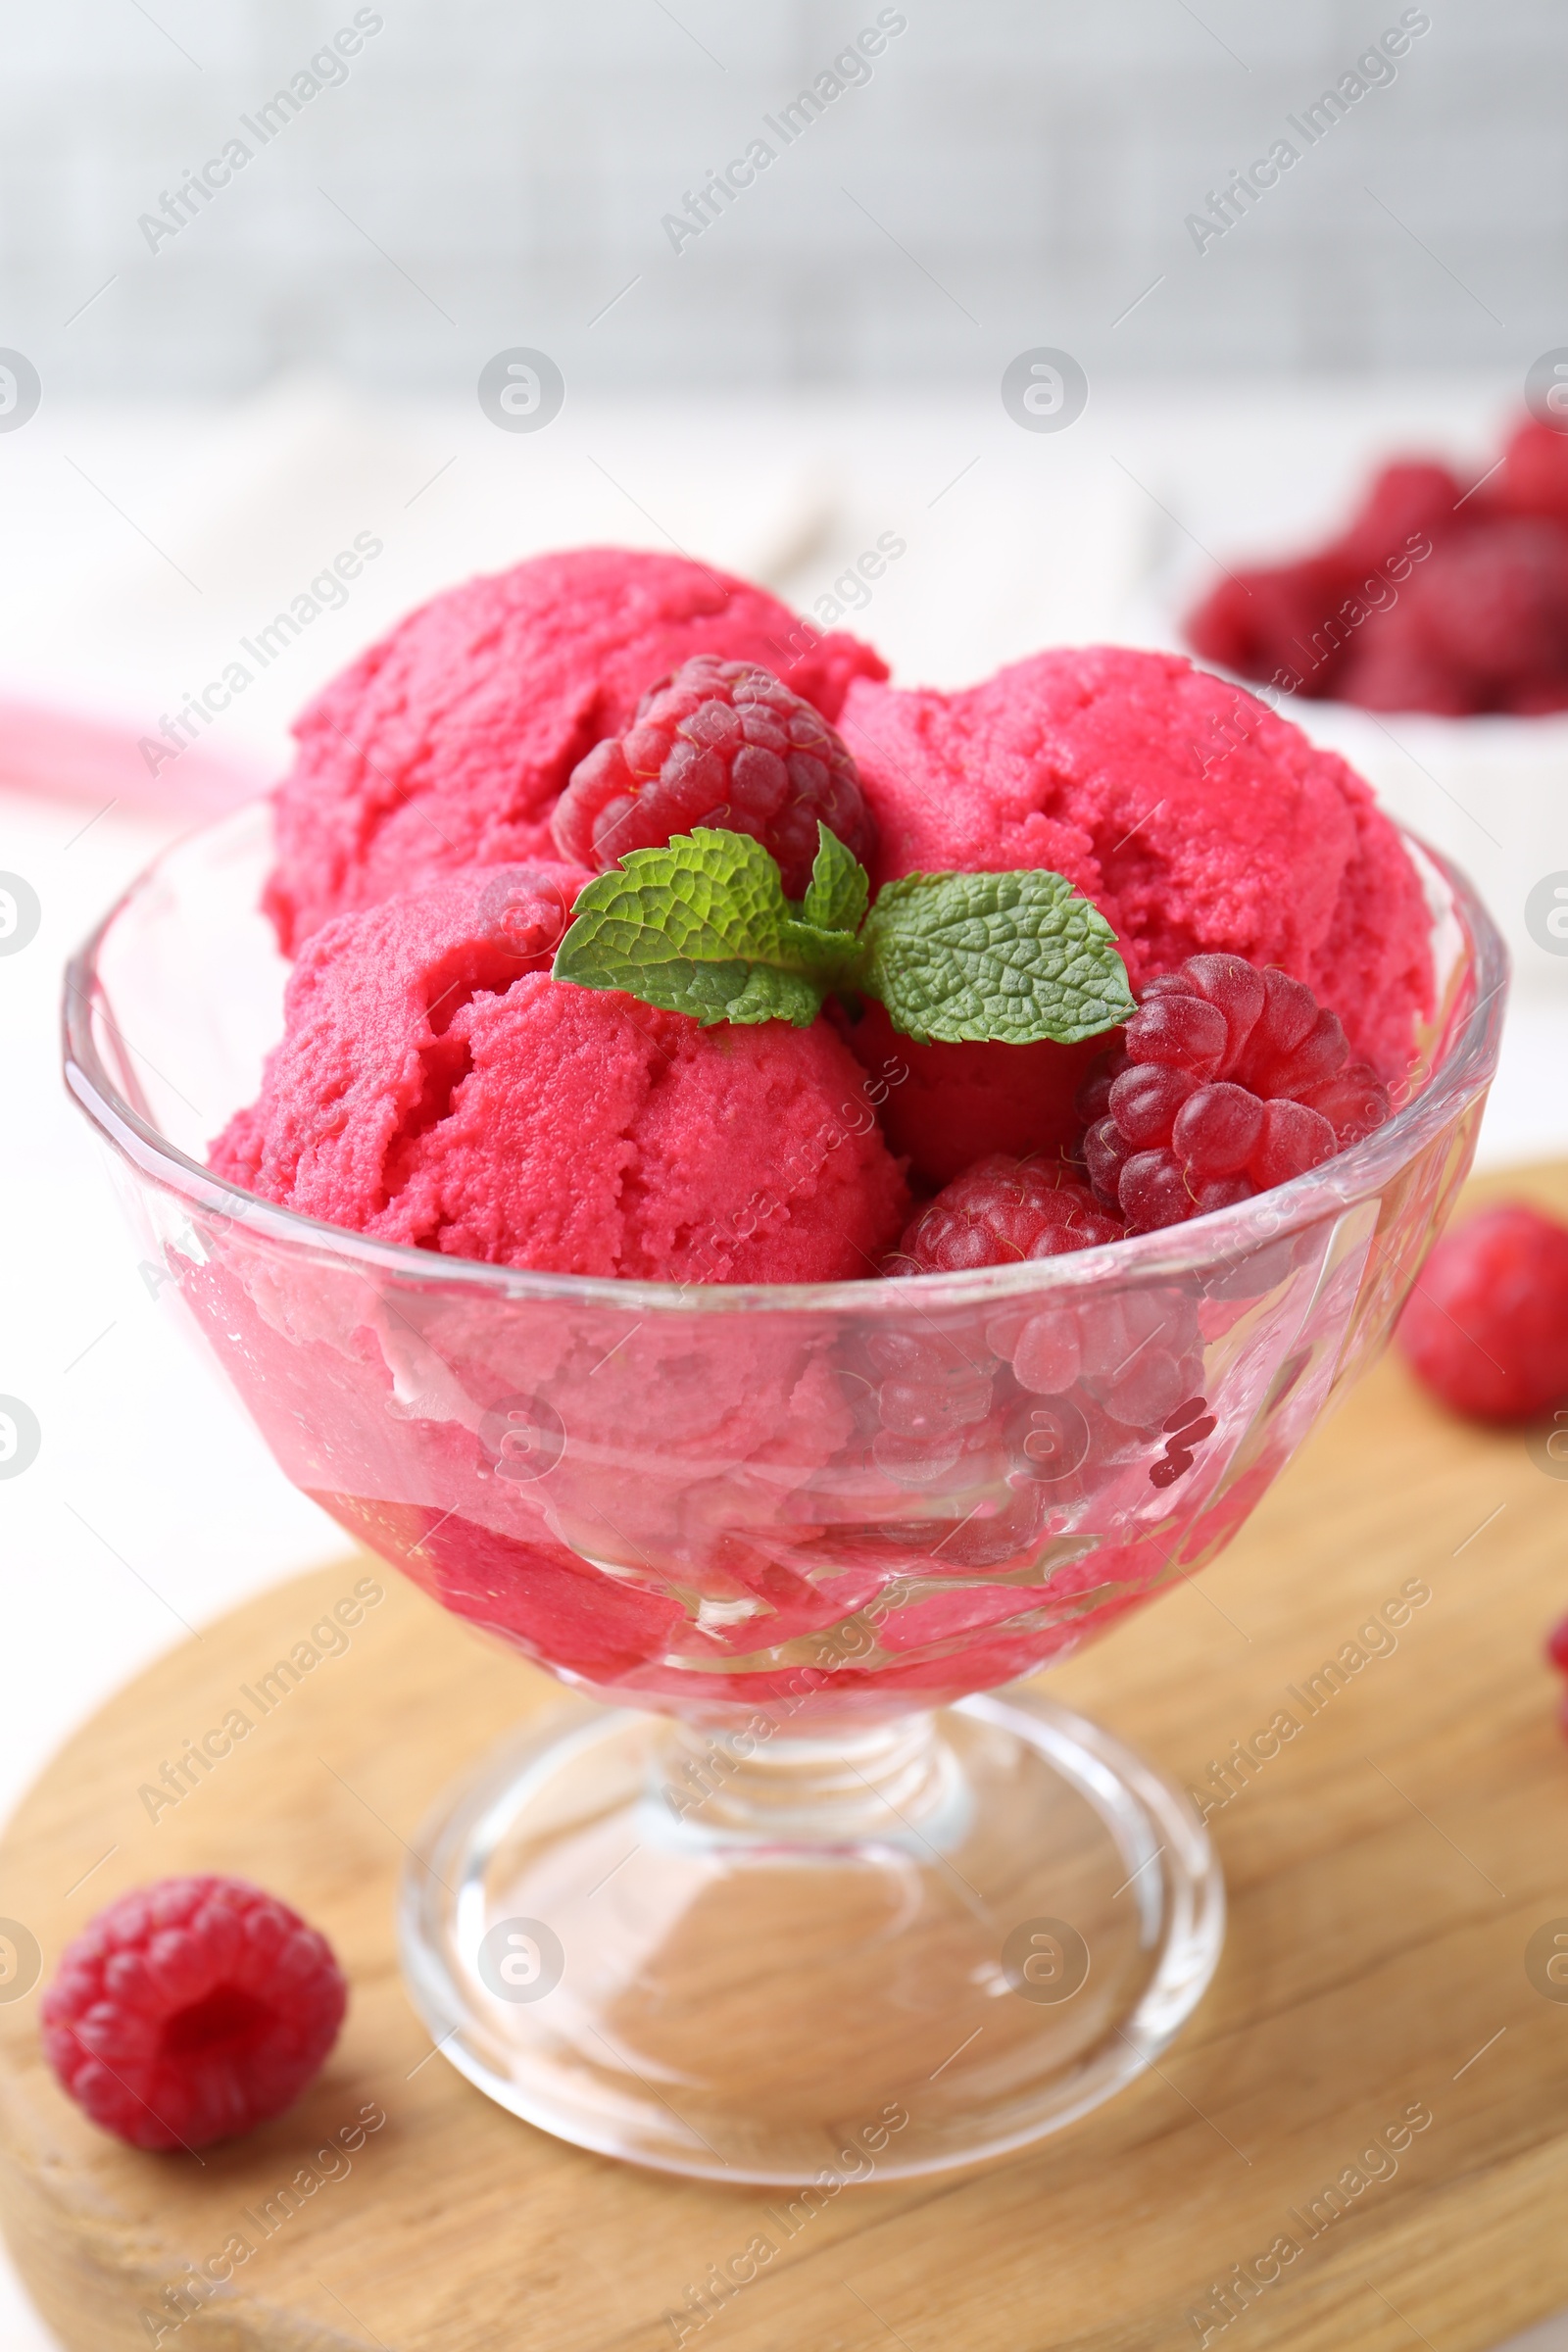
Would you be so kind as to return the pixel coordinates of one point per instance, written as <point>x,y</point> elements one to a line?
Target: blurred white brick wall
<point>1024,169</point>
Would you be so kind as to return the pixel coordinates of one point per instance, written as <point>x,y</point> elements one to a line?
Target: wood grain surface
<point>1387,1868</point>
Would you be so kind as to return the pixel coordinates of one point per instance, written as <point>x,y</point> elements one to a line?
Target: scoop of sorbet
<point>434,1085</point>
<point>449,743</point>
<point>1198,821</point>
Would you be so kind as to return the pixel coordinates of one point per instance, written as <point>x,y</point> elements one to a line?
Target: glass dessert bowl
<point>821,1891</point>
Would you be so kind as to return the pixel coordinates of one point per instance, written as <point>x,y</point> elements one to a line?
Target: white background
<point>1013,166</point>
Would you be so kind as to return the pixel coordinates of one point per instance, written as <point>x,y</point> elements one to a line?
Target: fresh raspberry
<point>1396,666</point>
<point>1535,471</point>
<point>1539,698</point>
<point>1486,1327</point>
<point>1257,623</point>
<point>1410,499</point>
<point>998,1212</point>
<point>930,1401</point>
<point>1493,609</point>
<point>191,2010</point>
<point>1134,1354</point>
<point>1556,1645</point>
<point>1477,622</point>
<point>1231,1080</point>
<point>720,743</point>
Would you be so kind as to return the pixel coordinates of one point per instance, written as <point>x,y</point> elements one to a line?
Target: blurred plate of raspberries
<point>1425,639</point>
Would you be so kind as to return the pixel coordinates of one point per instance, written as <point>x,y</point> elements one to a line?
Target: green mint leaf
<point>702,927</point>
<point>1014,957</point>
<point>840,888</point>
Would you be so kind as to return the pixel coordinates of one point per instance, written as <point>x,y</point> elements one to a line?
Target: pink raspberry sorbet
<point>435,1085</point>
<point>1194,818</point>
<point>449,743</point>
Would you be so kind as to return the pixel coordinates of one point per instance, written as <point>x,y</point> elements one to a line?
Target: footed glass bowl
<point>806,1890</point>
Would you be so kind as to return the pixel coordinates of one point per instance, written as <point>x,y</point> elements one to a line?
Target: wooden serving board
<point>1387,1868</point>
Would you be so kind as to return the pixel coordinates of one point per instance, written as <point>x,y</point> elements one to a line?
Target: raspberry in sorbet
<point>1229,1080</point>
<point>723,744</point>
<point>1000,1212</point>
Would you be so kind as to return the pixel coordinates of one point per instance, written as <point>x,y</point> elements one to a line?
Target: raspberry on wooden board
<point>1486,1327</point>
<point>1556,1645</point>
<point>191,2010</point>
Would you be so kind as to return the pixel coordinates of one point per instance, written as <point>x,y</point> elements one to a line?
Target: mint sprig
<point>1013,957</point>
<point>702,927</point>
<point>839,889</point>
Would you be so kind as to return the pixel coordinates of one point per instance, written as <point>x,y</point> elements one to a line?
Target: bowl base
<point>913,1949</point>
